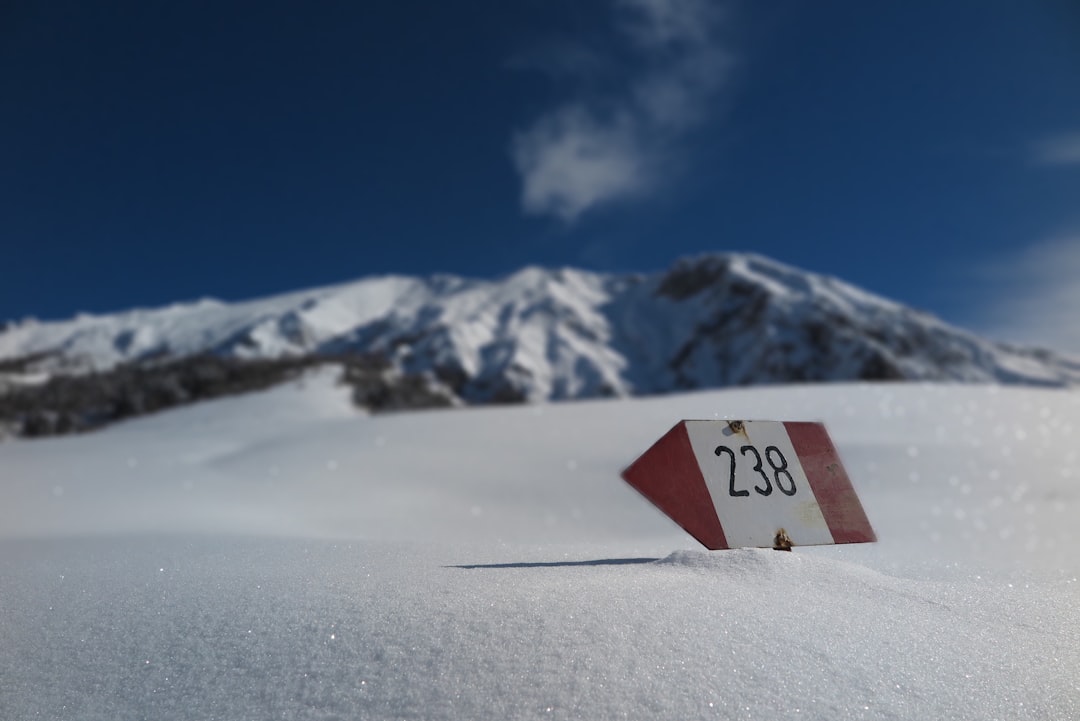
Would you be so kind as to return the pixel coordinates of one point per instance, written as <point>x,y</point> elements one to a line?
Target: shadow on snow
<point>561,564</point>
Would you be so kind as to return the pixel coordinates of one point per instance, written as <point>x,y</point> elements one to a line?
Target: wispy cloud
<point>1037,296</point>
<point>1061,149</point>
<point>596,149</point>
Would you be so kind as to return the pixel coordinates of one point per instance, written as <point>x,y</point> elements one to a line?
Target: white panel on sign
<point>757,483</point>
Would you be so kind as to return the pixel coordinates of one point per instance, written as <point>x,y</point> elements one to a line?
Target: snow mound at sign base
<point>280,556</point>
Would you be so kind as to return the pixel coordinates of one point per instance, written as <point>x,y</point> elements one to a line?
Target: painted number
<point>777,463</point>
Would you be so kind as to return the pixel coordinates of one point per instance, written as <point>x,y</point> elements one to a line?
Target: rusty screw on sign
<point>781,541</point>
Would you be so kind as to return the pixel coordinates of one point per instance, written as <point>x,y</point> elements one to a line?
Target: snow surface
<point>278,555</point>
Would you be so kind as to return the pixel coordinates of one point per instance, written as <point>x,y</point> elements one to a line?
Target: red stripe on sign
<point>668,475</point>
<point>829,481</point>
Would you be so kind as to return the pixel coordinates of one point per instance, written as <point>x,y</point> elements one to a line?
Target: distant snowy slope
<point>982,474</point>
<point>717,320</point>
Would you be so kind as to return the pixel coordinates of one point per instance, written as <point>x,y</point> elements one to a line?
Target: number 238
<point>777,463</point>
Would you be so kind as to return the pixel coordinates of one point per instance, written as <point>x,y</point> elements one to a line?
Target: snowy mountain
<point>716,320</point>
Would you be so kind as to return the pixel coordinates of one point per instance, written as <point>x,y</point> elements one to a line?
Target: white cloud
<point>1061,149</point>
<point>595,150</point>
<point>658,23</point>
<point>1037,296</point>
<point>570,160</point>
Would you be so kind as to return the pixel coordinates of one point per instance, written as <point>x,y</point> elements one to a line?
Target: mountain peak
<point>540,333</point>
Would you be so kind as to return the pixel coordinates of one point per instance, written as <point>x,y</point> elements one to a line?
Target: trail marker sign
<point>765,484</point>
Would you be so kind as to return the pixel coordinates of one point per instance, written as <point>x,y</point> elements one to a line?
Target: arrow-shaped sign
<point>765,484</point>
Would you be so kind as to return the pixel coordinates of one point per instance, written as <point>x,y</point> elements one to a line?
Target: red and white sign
<point>752,483</point>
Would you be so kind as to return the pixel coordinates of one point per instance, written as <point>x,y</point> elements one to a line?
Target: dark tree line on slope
<point>70,404</point>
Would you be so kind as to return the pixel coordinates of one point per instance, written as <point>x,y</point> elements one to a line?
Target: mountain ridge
<point>539,334</point>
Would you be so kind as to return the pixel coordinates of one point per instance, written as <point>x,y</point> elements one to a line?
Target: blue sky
<point>154,152</point>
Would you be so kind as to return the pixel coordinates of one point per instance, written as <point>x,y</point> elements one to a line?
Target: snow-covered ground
<point>280,556</point>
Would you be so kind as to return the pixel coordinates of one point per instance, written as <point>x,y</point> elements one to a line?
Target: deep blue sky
<point>152,152</point>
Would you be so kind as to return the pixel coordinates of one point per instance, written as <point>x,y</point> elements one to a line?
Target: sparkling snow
<point>279,555</point>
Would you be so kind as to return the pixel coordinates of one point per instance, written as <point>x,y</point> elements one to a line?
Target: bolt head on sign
<point>765,484</point>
